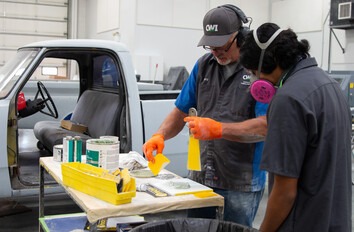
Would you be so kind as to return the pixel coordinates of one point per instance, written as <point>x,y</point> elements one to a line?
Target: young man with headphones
<point>307,150</point>
<point>230,125</point>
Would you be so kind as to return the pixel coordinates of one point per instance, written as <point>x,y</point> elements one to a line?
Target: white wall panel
<point>172,13</point>
<point>107,15</point>
<point>258,10</point>
<point>189,14</point>
<point>154,31</point>
<point>299,15</point>
<point>150,67</point>
<point>155,12</point>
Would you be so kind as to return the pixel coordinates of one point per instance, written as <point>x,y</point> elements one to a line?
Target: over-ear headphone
<point>243,31</point>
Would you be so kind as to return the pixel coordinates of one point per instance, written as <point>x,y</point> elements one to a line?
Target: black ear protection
<point>244,30</point>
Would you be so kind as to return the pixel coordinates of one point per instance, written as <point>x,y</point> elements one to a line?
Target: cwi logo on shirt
<point>211,27</point>
<point>246,80</point>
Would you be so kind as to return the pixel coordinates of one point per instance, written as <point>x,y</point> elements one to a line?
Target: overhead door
<point>26,21</point>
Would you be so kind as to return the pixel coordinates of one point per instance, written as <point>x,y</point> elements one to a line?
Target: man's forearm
<point>280,203</point>
<point>249,131</point>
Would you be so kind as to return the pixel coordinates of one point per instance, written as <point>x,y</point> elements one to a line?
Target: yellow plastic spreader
<point>98,182</point>
<point>161,162</point>
<point>193,162</point>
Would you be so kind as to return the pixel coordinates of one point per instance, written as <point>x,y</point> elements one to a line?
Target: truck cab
<point>92,82</point>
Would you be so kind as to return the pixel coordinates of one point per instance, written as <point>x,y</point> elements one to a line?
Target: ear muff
<point>237,11</point>
<point>243,31</point>
<point>242,35</point>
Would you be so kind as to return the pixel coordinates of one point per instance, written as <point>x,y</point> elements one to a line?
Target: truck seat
<point>96,110</point>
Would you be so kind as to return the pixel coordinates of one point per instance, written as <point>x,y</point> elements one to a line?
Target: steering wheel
<point>46,100</point>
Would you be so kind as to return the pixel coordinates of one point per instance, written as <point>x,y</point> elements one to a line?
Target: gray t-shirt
<point>309,131</point>
<point>229,70</point>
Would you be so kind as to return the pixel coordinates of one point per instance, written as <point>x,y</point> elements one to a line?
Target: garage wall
<point>164,32</point>
<point>26,21</point>
<point>171,29</point>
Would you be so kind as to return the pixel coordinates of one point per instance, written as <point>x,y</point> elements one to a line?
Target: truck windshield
<point>13,69</point>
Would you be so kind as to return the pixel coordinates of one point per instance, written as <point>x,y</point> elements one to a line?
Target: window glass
<point>106,73</point>
<point>56,69</point>
<point>12,70</point>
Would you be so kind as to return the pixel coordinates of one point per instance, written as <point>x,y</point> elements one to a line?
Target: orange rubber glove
<point>204,128</point>
<point>156,142</point>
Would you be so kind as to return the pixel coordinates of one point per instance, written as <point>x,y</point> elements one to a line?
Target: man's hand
<point>156,142</point>
<point>204,128</point>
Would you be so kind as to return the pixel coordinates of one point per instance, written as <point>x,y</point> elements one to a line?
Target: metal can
<point>58,152</point>
<point>68,151</point>
<point>110,137</point>
<point>102,153</point>
<point>77,148</point>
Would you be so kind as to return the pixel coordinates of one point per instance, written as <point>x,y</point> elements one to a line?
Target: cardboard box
<point>73,126</point>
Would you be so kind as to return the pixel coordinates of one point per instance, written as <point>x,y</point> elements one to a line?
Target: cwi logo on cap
<point>211,27</point>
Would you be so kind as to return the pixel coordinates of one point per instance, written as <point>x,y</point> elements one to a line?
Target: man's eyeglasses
<point>218,49</point>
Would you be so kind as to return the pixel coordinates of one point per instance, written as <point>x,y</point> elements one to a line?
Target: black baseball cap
<point>218,25</point>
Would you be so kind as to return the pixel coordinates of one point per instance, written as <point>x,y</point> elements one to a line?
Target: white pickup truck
<point>109,101</point>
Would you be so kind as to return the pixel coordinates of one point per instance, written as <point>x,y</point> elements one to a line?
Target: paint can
<point>102,153</point>
<point>77,148</point>
<point>68,149</point>
<point>58,152</point>
<point>109,137</point>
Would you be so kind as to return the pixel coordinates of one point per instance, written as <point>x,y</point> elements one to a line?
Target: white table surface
<point>143,203</point>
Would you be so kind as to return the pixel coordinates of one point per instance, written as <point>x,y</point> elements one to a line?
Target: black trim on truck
<point>158,95</point>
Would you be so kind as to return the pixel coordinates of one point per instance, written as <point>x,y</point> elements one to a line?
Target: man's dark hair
<point>284,51</point>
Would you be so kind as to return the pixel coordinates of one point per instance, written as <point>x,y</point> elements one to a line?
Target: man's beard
<point>223,62</point>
